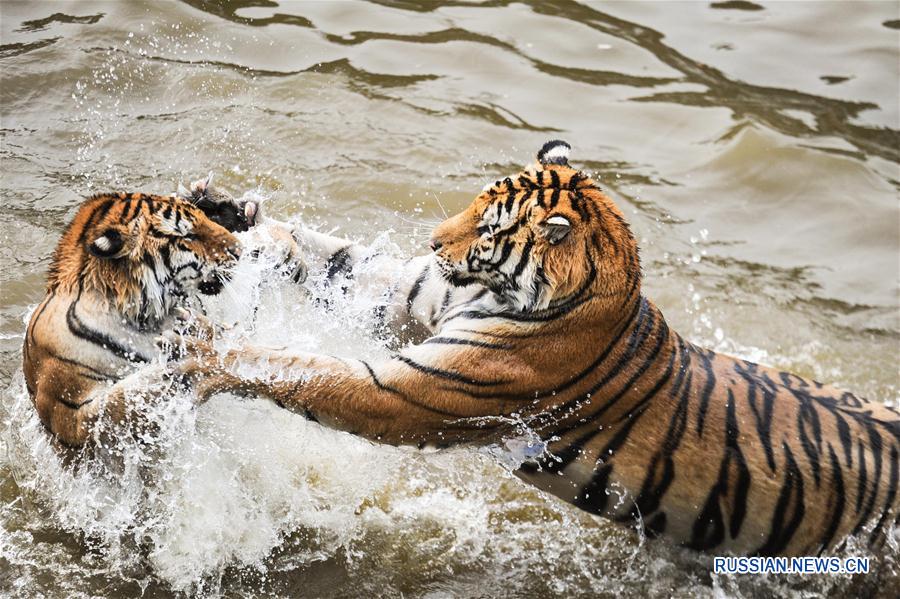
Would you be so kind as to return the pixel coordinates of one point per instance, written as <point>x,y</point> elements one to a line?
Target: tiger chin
<point>533,300</point>
<point>121,270</point>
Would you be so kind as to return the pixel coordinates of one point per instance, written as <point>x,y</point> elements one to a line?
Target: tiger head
<point>221,207</point>
<point>541,237</point>
<point>144,254</point>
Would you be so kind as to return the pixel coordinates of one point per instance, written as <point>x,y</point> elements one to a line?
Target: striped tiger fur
<point>533,299</point>
<point>123,265</point>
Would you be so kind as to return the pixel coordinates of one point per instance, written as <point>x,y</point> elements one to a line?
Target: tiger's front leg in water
<point>711,452</point>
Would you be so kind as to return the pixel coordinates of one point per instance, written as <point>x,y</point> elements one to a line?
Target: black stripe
<point>472,342</point>
<point>876,446</point>
<point>554,197</point>
<point>807,419</point>
<point>71,404</point>
<point>789,508</point>
<point>845,437</point>
<point>444,303</point>
<point>80,330</point>
<point>709,528</point>
<point>38,314</point>
<point>863,472</point>
<point>416,288</point>
<point>891,493</point>
<point>839,500</point>
<point>378,383</point>
<point>508,245</point>
<point>510,200</point>
<point>448,374</point>
<point>706,362</point>
<point>763,417</point>
<point>99,375</point>
<point>126,206</point>
<point>575,180</point>
<point>523,260</point>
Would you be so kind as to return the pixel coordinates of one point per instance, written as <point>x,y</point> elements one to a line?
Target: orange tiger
<point>122,267</point>
<point>533,297</point>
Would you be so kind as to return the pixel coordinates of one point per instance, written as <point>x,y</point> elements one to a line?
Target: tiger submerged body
<point>123,265</point>
<point>533,299</point>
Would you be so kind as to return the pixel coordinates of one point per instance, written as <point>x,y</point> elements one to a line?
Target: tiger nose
<point>435,244</point>
<point>234,251</point>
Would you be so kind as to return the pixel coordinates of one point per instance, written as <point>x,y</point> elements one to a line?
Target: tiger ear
<point>554,152</point>
<point>555,228</point>
<point>107,245</point>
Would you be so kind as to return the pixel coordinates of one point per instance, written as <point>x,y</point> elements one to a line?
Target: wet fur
<point>546,325</point>
<point>122,265</point>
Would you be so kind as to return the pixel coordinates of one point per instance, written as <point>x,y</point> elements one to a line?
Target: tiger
<point>264,235</point>
<point>124,267</point>
<point>533,299</point>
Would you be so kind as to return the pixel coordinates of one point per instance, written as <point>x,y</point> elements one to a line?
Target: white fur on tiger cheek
<point>155,283</point>
<point>532,293</point>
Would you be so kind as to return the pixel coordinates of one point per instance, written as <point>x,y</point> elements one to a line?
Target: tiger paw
<point>268,238</point>
<point>194,323</point>
<point>292,264</point>
<point>197,366</point>
<point>236,215</point>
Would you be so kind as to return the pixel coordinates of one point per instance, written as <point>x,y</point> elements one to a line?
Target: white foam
<point>225,483</point>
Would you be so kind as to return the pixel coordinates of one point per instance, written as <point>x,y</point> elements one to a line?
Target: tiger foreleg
<point>386,402</point>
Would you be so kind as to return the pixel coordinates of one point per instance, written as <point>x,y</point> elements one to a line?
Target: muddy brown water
<point>755,148</point>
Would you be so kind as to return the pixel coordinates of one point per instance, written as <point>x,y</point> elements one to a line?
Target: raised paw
<point>293,264</point>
